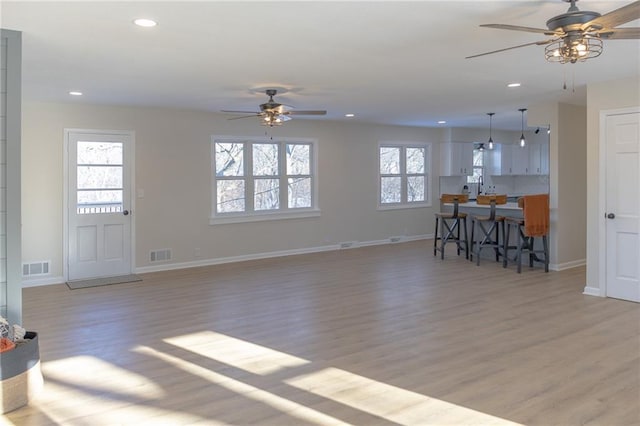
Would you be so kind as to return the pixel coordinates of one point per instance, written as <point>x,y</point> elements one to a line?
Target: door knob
<point>611,216</point>
<point>125,212</point>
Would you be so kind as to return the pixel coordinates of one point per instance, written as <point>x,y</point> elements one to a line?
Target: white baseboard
<point>232,259</point>
<point>592,291</point>
<point>267,255</point>
<point>567,265</point>
<point>37,282</point>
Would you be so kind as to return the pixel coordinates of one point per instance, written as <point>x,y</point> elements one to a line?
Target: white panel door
<point>99,194</point>
<point>623,206</point>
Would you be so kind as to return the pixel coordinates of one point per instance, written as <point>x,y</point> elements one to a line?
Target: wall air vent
<point>36,268</point>
<point>348,244</point>
<point>160,255</point>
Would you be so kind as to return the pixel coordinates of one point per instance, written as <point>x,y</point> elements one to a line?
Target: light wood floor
<point>372,336</point>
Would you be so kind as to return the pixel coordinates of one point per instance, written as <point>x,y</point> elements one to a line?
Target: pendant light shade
<point>490,114</point>
<point>522,140</point>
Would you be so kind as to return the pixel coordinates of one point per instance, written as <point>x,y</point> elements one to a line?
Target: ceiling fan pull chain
<point>564,76</point>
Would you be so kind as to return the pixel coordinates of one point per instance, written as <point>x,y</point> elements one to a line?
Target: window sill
<point>402,206</point>
<point>261,217</point>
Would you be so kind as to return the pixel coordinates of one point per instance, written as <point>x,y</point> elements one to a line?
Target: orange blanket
<point>536,215</point>
<point>6,345</point>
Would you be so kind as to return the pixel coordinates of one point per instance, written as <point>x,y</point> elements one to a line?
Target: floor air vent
<point>35,268</point>
<point>160,255</point>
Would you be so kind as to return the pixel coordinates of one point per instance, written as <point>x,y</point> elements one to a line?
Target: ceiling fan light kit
<point>577,35</point>
<point>573,50</point>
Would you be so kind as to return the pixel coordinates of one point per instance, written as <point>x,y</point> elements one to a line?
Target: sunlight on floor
<point>72,384</point>
<point>239,353</point>
<point>363,394</point>
<point>389,402</point>
<point>242,389</point>
<point>260,380</point>
<point>69,403</point>
<point>101,377</point>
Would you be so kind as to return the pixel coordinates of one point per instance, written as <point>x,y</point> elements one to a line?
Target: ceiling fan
<point>577,35</point>
<point>272,112</point>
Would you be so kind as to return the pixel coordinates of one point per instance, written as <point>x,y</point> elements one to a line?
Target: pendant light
<point>490,114</point>
<point>522,140</point>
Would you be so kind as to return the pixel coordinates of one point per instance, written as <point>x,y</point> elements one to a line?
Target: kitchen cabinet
<point>532,159</point>
<point>539,159</point>
<point>456,159</point>
<point>519,160</point>
<point>503,160</point>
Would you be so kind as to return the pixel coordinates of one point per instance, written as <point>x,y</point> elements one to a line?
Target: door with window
<point>99,204</point>
<point>623,206</point>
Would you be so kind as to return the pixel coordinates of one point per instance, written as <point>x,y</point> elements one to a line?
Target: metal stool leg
<point>519,253</point>
<point>435,238</point>
<point>457,223</point>
<point>473,228</point>
<point>505,250</point>
<point>466,239</point>
<point>546,253</point>
<point>497,250</point>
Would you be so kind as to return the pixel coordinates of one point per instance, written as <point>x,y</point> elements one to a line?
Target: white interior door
<point>623,206</point>
<point>99,194</point>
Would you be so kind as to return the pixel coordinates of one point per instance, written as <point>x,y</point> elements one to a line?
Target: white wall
<point>603,96</point>
<point>172,167</point>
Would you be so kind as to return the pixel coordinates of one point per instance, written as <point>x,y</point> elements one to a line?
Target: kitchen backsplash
<point>510,185</point>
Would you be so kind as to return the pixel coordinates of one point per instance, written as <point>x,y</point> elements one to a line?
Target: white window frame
<point>470,180</point>
<point>284,212</point>
<point>404,204</point>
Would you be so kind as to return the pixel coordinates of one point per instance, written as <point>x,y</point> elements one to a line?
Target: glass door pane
<point>99,174</point>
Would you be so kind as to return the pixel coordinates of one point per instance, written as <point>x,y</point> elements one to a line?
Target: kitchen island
<point>472,208</point>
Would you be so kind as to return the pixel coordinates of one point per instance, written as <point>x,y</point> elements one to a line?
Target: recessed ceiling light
<point>350,115</point>
<point>513,85</point>
<point>143,22</point>
<point>442,122</point>
<point>75,93</point>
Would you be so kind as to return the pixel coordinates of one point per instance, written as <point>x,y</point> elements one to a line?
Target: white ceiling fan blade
<point>539,43</point>
<point>620,16</point>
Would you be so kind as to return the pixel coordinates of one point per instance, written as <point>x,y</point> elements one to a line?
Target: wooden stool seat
<point>488,218</point>
<point>449,224</point>
<point>450,215</point>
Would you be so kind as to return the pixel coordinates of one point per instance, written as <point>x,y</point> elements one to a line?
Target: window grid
<point>478,167</point>
<point>257,183</point>
<point>394,187</point>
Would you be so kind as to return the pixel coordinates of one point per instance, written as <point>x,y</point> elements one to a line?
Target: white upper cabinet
<point>539,159</point>
<point>520,160</point>
<point>505,160</point>
<point>456,159</point>
<point>532,159</point>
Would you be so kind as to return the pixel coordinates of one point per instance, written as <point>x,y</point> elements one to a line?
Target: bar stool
<point>451,223</point>
<point>489,227</point>
<point>534,223</point>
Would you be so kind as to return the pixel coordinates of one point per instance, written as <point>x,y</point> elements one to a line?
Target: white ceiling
<point>388,62</point>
